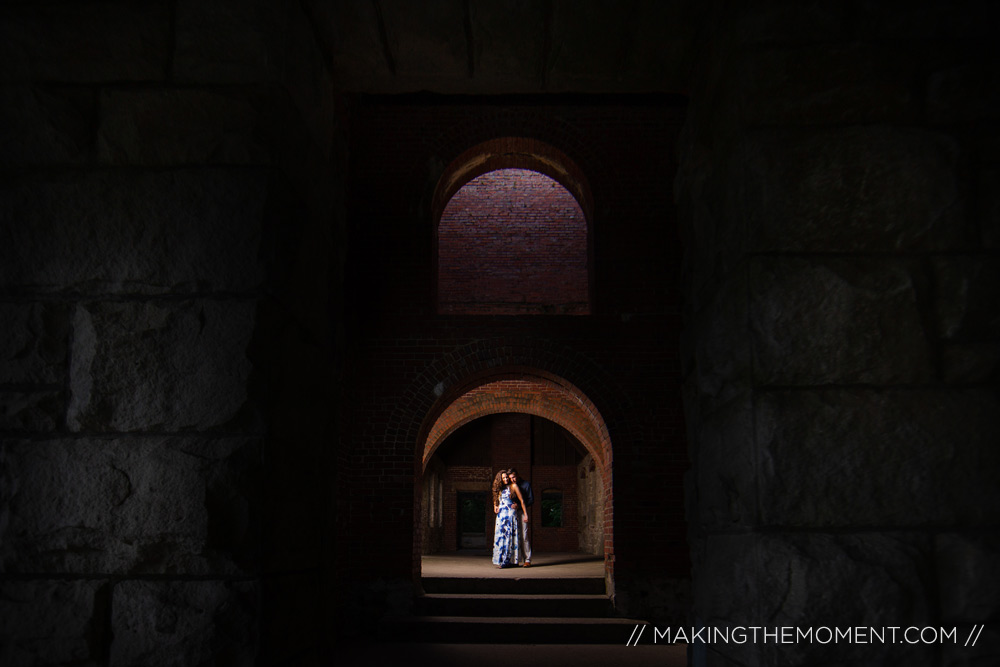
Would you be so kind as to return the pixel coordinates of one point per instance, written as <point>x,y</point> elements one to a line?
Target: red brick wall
<point>565,538</point>
<point>462,478</point>
<point>512,241</point>
<point>403,359</point>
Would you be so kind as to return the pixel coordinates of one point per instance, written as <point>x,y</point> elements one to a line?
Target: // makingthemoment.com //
<point>753,634</point>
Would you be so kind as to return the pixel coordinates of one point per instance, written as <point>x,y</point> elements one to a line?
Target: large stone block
<point>968,580</point>
<point>229,41</point>
<point>846,581</point>
<point>983,646</point>
<point>52,622</point>
<point>184,623</point>
<point>814,85</point>
<point>726,467</point>
<point>967,297</point>
<point>865,188</point>
<point>46,125</point>
<point>161,366</point>
<point>727,593</point>
<point>722,345</point>
<point>33,342</point>
<point>858,457</point>
<point>167,127</point>
<point>82,42</point>
<point>145,232</point>
<point>970,363</point>
<point>125,506</point>
<point>31,411</point>
<point>838,321</point>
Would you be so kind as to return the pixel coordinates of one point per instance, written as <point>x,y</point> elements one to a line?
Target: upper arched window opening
<point>513,239</point>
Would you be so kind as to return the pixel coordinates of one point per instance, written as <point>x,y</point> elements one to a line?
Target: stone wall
<point>841,351</point>
<point>168,224</point>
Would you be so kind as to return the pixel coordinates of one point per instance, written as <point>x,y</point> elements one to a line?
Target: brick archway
<point>556,400</point>
<point>481,362</point>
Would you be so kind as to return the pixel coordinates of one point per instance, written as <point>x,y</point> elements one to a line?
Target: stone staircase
<point>517,610</point>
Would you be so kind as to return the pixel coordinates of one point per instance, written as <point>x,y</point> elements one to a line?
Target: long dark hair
<point>498,486</point>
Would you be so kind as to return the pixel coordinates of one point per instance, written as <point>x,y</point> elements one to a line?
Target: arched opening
<point>547,429</point>
<point>512,241</point>
<point>512,233</point>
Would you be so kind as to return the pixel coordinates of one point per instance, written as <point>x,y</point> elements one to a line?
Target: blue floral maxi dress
<point>505,534</point>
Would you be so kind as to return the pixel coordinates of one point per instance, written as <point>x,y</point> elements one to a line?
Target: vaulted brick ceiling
<point>512,46</point>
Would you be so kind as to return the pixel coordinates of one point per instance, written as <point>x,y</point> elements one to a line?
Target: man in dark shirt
<point>524,527</point>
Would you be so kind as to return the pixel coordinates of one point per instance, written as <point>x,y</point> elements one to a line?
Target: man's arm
<point>517,491</point>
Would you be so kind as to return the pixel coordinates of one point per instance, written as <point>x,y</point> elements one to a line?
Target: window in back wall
<point>513,241</point>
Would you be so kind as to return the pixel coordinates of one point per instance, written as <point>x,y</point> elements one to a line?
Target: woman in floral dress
<point>507,501</point>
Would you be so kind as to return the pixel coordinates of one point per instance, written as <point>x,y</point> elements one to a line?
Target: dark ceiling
<point>507,46</point>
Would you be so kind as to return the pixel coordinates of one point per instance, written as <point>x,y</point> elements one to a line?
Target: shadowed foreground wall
<point>168,265</point>
<point>837,192</point>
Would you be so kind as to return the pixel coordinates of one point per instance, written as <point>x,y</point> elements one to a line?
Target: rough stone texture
<point>968,583</point>
<point>813,85</point>
<point>161,366</point>
<point>723,358</point>
<point>727,591</point>
<point>983,648</point>
<point>166,127</point>
<point>45,622</point>
<point>83,42</point>
<point>184,623</point>
<point>871,580</point>
<point>36,411</point>
<point>869,188</point>
<point>970,363</point>
<point>229,41</point>
<point>118,231</point>
<point>837,321</point>
<point>124,506</point>
<point>857,457</point>
<point>726,467</point>
<point>33,342</point>
<point>968,297</point>
<point>45,125</point>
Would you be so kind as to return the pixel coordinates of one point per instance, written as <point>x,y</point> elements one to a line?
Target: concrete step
<point>515,585</point>
<point>508,630</point>
<point>466,604</point>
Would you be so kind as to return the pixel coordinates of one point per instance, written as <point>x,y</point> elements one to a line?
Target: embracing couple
<point>511,499</point>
